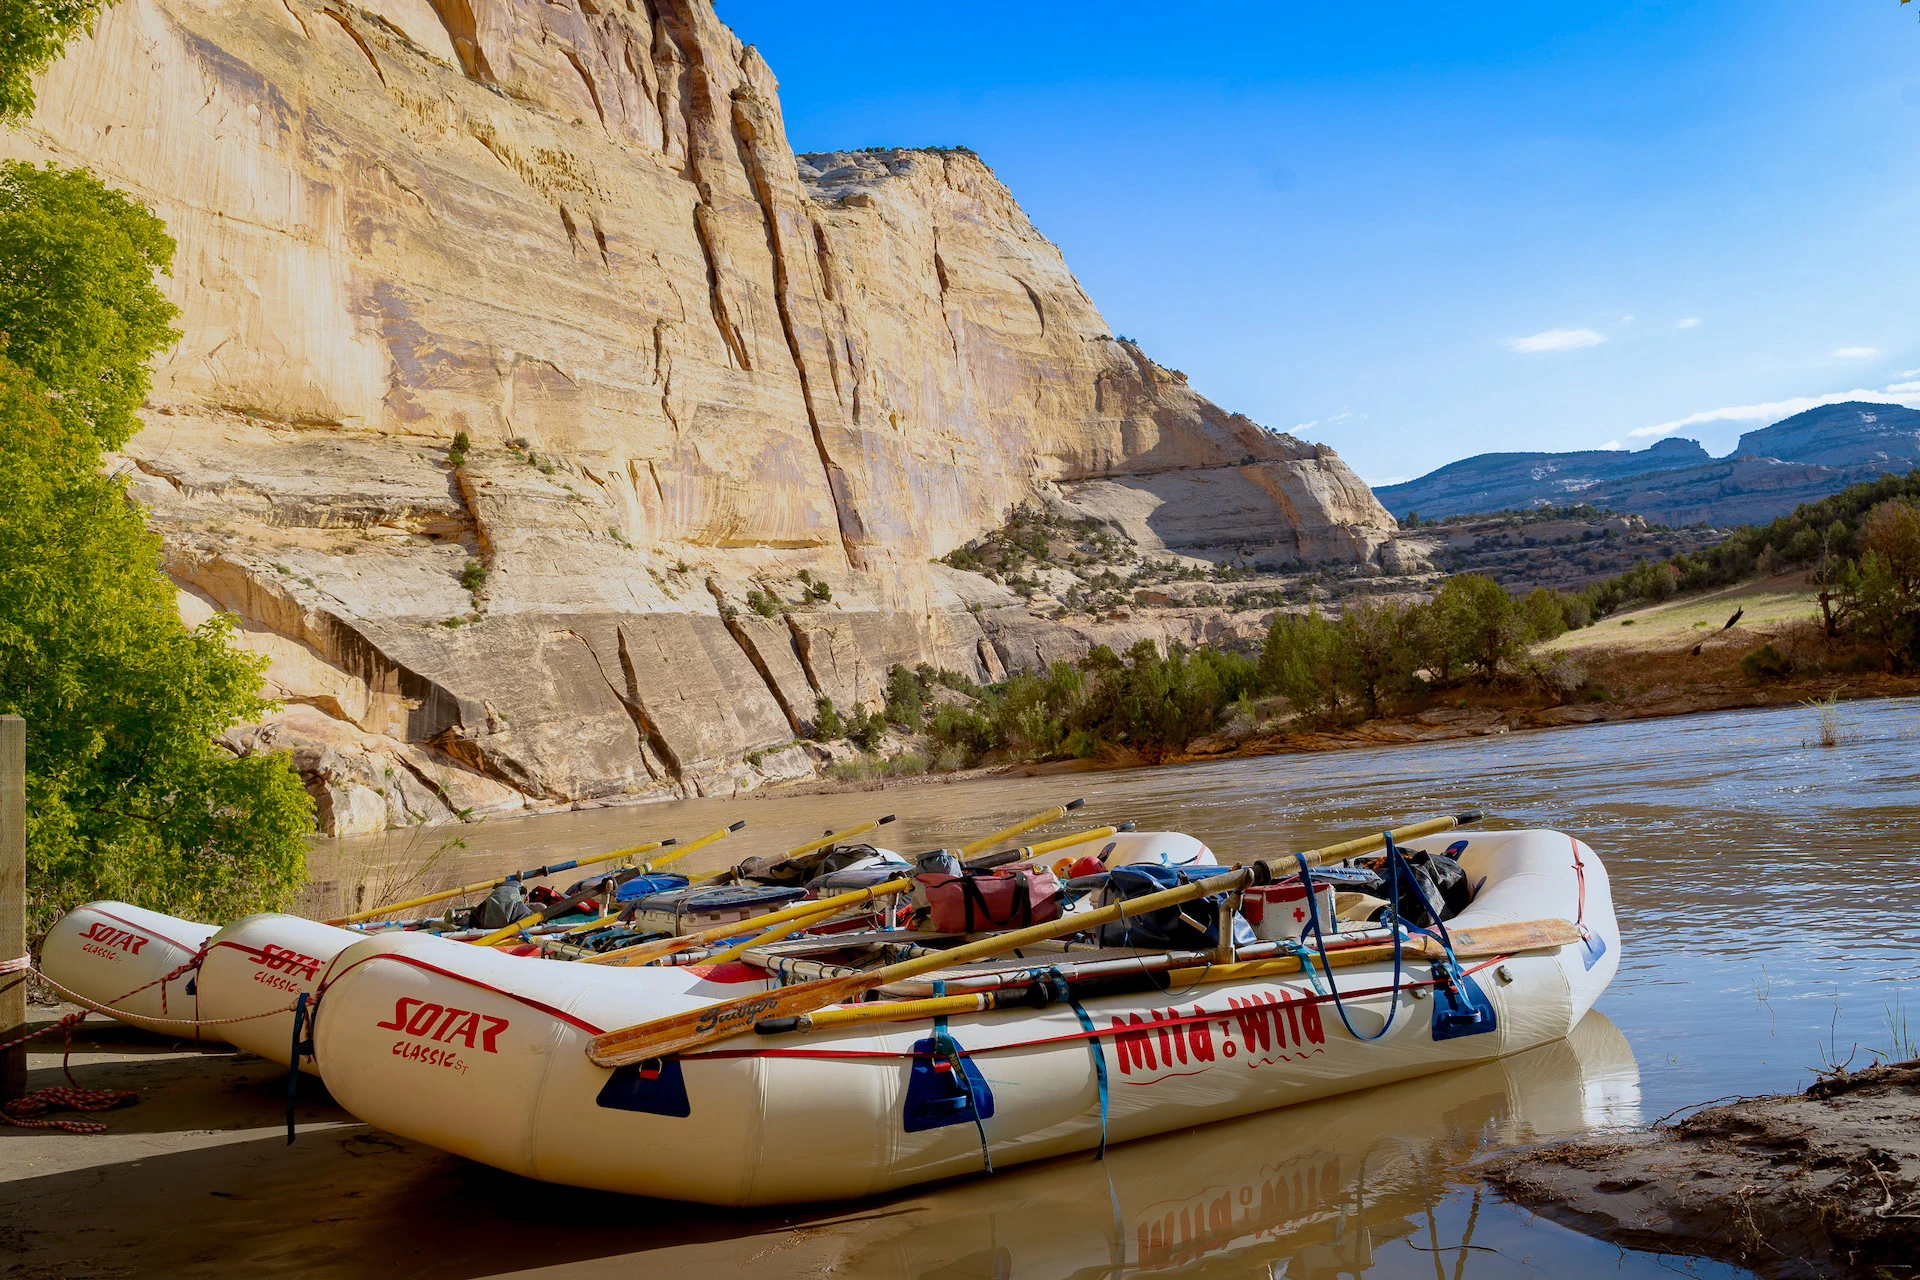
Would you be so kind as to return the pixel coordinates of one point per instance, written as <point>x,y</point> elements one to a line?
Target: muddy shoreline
<point>1824,1183</point>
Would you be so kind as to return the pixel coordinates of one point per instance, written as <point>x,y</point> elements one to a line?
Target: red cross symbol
<point>1298,915</point>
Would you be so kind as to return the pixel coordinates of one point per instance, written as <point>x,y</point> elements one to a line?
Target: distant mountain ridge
<point>1677,482</point>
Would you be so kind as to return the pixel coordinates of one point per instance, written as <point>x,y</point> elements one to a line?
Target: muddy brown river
<point>1768,894</point>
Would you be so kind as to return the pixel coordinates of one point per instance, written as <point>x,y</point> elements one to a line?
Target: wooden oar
<point>682,1032</point>
<point>1468,944</point>
<point>1021,827</point>
<point>820,909</point>
<point>482,886</point>
<point>561,908</point>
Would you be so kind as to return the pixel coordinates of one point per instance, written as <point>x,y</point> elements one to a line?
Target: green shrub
<point>127,795</point>
<point>906,699</point>
<point>827,724</point>
<point>473,575</point>
<point>764,603</point>
<point>1766,664</point>
<point>457,452</point>
<point>865,728</point>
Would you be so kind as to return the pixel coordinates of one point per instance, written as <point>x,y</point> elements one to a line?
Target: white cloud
<point>1856,353</point>
<point>1555,340</point>
<point>1772,411</point>
<point>1908,373</point>
<point>1387,480</point>
<point>1626,319</point>
<point>1904,388</point>
<point>1613,444</point>
<point>1691,322</point>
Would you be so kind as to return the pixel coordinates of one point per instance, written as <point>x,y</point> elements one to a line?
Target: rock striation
<point>684,365</point>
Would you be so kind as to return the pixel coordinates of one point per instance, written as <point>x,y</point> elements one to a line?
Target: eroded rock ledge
<point>1821,1184</point>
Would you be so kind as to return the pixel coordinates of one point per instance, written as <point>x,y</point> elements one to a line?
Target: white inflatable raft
<point>250,975</point>
<point>137,966</point>
<point>484,1055</point>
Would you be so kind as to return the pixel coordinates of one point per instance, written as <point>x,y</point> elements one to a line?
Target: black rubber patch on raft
<point>656,1087</point>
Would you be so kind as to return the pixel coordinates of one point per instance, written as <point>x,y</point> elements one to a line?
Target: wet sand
<point>1821,1183</point>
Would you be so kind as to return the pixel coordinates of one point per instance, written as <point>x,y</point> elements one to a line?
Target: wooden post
<point>13,900</point>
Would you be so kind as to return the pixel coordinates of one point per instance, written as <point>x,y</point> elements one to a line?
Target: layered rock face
<point>687,364</point>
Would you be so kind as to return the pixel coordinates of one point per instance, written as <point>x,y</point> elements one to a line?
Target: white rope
<point>19,964</point>
<point>111,1012</point>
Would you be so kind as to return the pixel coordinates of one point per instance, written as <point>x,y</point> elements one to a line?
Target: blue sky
<point>1422,232</point>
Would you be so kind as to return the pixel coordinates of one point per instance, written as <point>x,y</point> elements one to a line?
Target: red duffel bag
<point>981,901</point>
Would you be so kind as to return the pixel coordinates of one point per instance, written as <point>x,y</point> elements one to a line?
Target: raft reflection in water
<point>1316,1186</point>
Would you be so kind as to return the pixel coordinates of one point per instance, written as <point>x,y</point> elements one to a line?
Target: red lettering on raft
<point>107,935</point>
<point>444,1024</point>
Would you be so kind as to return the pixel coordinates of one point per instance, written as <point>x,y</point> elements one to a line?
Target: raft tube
<point>251,975</point>
<point>117,958</point>
<point>486,1057</point>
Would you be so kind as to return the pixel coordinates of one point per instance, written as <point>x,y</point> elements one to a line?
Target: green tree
<point>78,306</point>
<point>128,796</point>
<point>1300,662</point>
<point>1375,659</point>
<point>906,699</point>
<point>1543,616</point>
<point>36,33</point>
<point>1483,620</point>
<point>827,724</point>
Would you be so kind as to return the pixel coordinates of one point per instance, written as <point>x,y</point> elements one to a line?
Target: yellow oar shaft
<point>541,917</point>
<point>641,953</point>
<point>481,886</point>
<point>1021,827</point>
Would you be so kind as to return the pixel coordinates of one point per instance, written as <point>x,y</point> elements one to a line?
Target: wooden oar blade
<point>1511,939</point>
<point>664,1037</point>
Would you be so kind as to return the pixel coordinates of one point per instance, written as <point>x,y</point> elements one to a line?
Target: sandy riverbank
<point>1820,1184</point>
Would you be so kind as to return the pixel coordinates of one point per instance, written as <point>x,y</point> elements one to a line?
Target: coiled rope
<point>21,1111</point>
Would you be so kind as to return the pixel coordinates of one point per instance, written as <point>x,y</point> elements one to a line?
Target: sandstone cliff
<point>689,365</point>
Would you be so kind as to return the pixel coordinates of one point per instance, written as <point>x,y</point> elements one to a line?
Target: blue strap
<point>949,1049</point>
<point>1099,1062</point>
<point>1298,950</point>
<point>1320,942</point>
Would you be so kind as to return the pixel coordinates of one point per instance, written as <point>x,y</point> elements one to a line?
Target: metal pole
<point>13,900</point>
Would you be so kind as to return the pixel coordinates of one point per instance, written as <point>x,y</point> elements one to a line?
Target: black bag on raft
<point>1440,882</point>
<point>505,905</point>
<point>1187,926</point>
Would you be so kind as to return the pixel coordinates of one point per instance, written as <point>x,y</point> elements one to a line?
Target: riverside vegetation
<point>1474,640</point>
<point>128,795</point>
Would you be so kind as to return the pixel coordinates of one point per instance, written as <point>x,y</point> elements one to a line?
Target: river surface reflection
<point>1767,893</point>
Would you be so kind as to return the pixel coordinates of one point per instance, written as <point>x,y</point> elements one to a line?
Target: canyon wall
<point>687,365</point>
